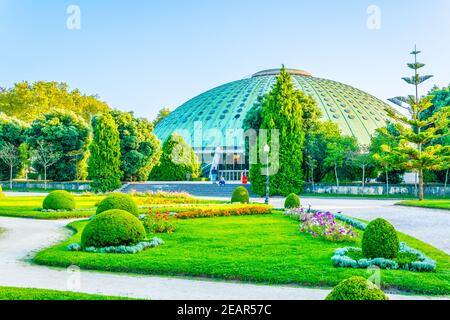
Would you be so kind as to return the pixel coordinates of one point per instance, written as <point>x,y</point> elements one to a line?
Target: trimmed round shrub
<point>1,192</point>
<point>59,200</point>
<point>240,195</point>
<point>356,288</point>
<point>292,201</point>
<point>113,228</point>
<point>120,201</point>
<point>380,240</point>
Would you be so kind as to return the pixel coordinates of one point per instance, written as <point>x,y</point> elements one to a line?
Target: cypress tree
<point>178,161</point>
<point>282,110</point>
<point>104,162</point>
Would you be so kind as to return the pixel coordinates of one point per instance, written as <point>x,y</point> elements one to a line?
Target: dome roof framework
<point>356,112</point>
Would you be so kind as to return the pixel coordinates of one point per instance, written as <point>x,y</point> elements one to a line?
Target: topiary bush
<point>113,228</point>
<point>292,201</point>
<point>59,200</point>
<point>240,195</point>
<point>380,240</point>
<point>356,288</point>
<point>120,201</point>
<point>1,192</point>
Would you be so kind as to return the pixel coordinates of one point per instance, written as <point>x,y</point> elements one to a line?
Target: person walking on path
<point>214,173</point>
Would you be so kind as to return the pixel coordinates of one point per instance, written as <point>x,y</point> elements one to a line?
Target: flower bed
<point>220,211</point>
<point>324,225</point>
<point>161,197</point>
<point>155,242</point>
<point>297,213</point>
<point>342,259</point>
<point>157,222</point>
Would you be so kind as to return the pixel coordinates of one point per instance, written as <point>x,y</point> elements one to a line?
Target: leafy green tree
<point>339,150</point>
<point>178,161</point>
<point>68,134</point>
<point>25,157</point>
<point>253,118</point>
<point>45,155</point>
<point>363,160</point>
<point>12,132</point>
<point>140,148</point>
<point>282,110</point>
<point>417,132</point>
<point>384,162</point>
<point>104,161</point>
<point>27,101</point>
<point>441,99</point>
<point>10,155</point>
<point>315,151</point>
<point>163,113</point>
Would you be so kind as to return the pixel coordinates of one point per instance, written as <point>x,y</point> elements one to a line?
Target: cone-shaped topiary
<point>120,201</point>
<point>356,288</point>
<point>104,161</point>
<point>59,200</point>
<point>380,240</point>
<point>292,201</point>
<point>1,192</point>
<point>113,228</point>
<point>240,194</point>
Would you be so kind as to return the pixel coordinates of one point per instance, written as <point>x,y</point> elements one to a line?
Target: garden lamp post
<point>266,151</point>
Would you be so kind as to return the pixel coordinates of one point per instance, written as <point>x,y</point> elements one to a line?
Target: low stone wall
<point>376,189</point>
<point>74,186</point>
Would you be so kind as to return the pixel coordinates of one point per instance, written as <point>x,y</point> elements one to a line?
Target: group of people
<point>214,174</point>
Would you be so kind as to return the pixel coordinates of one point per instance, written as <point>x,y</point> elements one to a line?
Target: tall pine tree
<point>282,110</point>
<point>417,132</point>
<point>104,162</point>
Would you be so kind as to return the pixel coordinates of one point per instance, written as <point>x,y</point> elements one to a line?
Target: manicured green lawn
<point>36,190</point>
<point>434,204</point>
<point>263,249</point>
<point>24,207</point>
<point>7,293</point>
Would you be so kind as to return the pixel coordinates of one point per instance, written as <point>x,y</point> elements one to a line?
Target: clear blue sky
<point>145,55</point>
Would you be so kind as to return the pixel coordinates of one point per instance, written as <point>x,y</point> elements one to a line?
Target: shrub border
<point>141,246</point>
<point>424,264</point>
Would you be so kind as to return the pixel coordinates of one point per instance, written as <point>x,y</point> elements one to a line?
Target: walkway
<point>24,237</point>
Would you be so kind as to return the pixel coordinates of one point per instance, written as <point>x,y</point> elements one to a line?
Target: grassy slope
<point>434,204</point>
<point>7,293</point>
<point>266,249</point>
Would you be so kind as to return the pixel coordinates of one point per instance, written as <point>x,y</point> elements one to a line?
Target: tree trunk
<point>11,177</point>
<point>446,179</point>
<point>364,177</point>
<point>387,182</point>
<point>421,193</point>
<point>336,173</point>
<point>45,178</point>
<point>312,178</point>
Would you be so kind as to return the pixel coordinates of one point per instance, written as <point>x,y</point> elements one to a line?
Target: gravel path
<point>24,237</point>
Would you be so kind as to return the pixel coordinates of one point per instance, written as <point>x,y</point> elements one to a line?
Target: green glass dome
<point>356,112</point>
